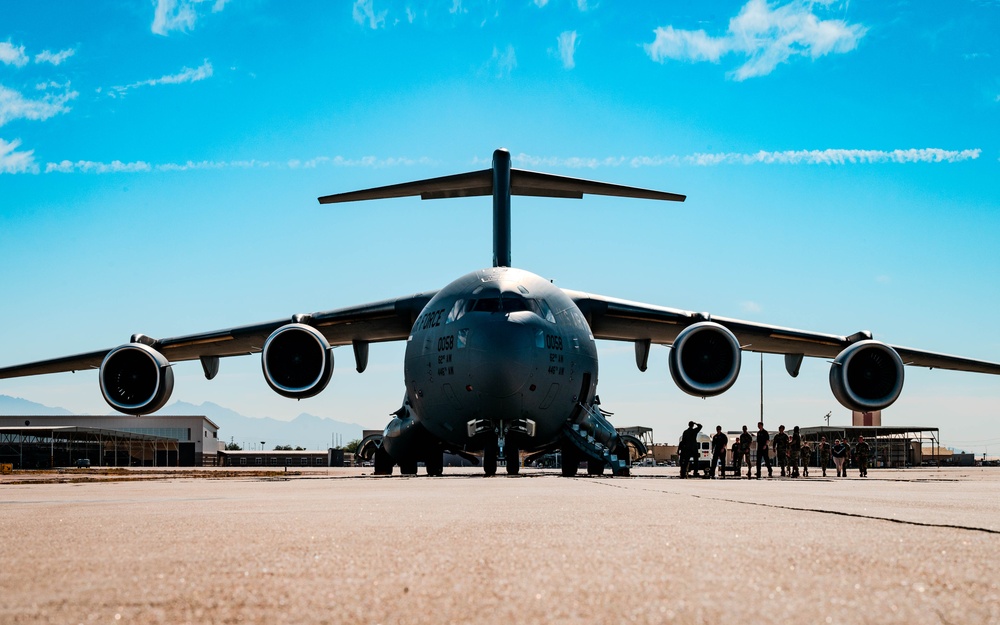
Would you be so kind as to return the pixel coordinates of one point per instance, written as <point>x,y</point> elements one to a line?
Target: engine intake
<point>705,359</point>
<point>136,379</point>
<point>866,376</point>
<point>297,361</point>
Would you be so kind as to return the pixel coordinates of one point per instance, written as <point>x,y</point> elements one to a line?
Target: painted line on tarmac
<point>816,510</point>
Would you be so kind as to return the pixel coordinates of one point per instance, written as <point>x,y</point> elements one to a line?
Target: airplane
<point>500,361</point>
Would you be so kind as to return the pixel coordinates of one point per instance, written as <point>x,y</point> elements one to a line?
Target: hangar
<point>48,441</point>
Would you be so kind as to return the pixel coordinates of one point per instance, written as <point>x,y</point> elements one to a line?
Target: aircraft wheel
<point>383,462</point>
<point>490,458</point>
<point>408,468</point>
<point>570,460</point>
<point>595,467</point>
<point>513,457</point>
<point>434,463</point>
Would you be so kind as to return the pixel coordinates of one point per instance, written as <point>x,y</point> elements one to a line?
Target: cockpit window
<point>505,303</point>
<point>457,311</point>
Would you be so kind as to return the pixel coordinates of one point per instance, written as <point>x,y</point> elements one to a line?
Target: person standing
<point>719,443</point>
<point>862,450</point>
<point>795,450</point>
<point>688,449</point>
<point>746,439</point>
<point>804,452</point>
<point>781,449</point>
<point>737,457</point>
<point>824,454</point>
<point>839,452</point>
<point>763,438</point>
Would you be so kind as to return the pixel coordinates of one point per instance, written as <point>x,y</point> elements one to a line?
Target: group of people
<point>789,452</point>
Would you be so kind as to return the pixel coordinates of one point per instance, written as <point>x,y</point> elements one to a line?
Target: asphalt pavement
<point>337,546</point>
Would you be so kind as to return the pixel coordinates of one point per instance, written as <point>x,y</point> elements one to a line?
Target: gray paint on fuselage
<point>471,357</point>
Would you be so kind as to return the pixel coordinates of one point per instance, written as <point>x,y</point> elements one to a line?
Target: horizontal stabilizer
<point>522,182</point>
<point>459,185</point>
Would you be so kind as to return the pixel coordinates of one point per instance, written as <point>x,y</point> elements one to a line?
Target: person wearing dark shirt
<point>795,450</point>
<point>839,453</point>
<point>780,449</point>
<point>862,450</point>
<point>763,438</point>
<point>746,439</point>
<point>719,443</point>
<point>737,457</point>
<point>824,454</point>
<point>688,449</point>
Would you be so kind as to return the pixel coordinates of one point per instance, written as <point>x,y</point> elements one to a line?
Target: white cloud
<point>181,15</point>
<point>750,307</point>
<point>836,157</point>
<point>787,157</point>
<point>503,62</point>
<point>766,35</point>
<point>14,162</point>
<point>567,48</point>
<point>541,3</point>
<point>364,10</point>
<point>12,55</point>
<point>96,167</point>
<point>185,75</point>
<point>13,105</point>
<point>55,58</point>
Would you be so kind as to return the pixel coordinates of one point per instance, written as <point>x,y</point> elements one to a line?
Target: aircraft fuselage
<point>499,350</point>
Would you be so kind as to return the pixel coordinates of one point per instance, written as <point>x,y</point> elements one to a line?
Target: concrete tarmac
<point>902,546</point>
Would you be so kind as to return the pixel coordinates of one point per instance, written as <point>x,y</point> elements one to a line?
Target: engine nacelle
<point>866,376</point>
<point>297,361</point>
<point>705,359</point>
<point>136,379</point>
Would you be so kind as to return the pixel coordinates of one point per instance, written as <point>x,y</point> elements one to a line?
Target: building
<point>109,440</point>
<point>290,458</point>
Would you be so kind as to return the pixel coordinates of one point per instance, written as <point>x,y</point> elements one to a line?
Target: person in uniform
<point>824,454</point>
<point>746,439</point>
<point>795,450</point>
<point>719,443</point>
<point>839,452</point>
<point>737,457</point>
<point>688,449</point>
<point>763,438</point>
<point>862,450</point>
<point>805,451</point>
<point>781,449</point>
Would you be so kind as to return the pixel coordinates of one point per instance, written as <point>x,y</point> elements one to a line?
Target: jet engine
<point>866,376</point>
<point>297,361</point>
<point>705,359</point>
<point>136,379</point>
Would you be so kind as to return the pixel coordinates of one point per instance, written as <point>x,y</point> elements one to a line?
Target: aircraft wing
<point>387,320</point>
<point>622,320</point>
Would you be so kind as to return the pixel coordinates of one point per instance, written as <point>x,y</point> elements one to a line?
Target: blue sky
<point>160,163</point>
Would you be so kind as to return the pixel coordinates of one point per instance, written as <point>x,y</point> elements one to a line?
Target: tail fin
<point>501,181</point>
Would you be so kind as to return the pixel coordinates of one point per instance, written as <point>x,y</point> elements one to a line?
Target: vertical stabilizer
<point>501,208</point>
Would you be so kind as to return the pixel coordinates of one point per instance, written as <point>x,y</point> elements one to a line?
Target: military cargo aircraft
<point>500,360</point>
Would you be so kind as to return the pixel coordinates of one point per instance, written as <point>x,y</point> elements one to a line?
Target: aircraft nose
<point>502,356</point>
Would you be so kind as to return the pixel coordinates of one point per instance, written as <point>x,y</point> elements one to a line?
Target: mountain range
<point>306,430</point>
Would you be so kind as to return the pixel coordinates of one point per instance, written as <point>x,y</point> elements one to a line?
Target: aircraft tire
<point>595,467</point>
<point>490,458</point>
<point>513,456</point>
<point>570,460</point>
<point>408,468</point>
<point>434,463</point>
<point>383,462</point>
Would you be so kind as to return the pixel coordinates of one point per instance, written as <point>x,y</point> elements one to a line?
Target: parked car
<point>83,463</point>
